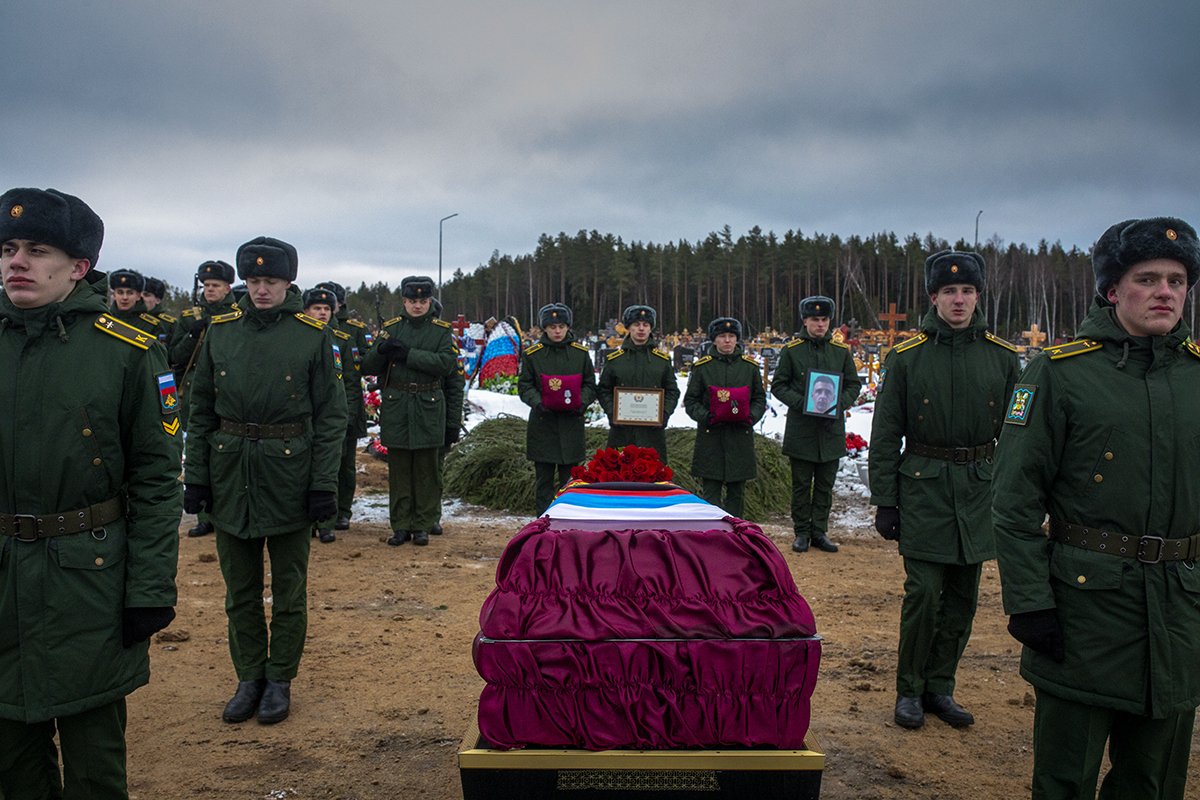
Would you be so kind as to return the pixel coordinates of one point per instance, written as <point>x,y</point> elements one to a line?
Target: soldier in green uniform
<point>725,396</point>
<point>152,296</point>
<point>558,383</point>
<point>320,304</point>
<point>268,417</point>
<point>454,387</point>
<point>412,355</point>
<point>815,439</point>
<point>1102,435</point>
<point>125,287</point>
<point>89,504</point>
<point>943,394</point>
<point>215,277</point>
<point>637,363</point>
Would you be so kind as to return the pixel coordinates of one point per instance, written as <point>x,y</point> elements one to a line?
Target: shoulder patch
<point>1068,349</point>
<point>153,320</point>
<point>441,322</point>
<point>340,334</point>
<point>576,345</point>
<point>189,312</point>
<point>908,344</point>
<point>795,343</point>
<point>994,339</point>
<point>125,332</point>
<point>663,354</point>
<point>392,321</point>
<point>307,320</point>
<point>620,351</point>
<point>358,323</point>
<point>1021,404</point>
<point>230,317</point>
<point>531,350</point>
<point>168,399</point>
<point>702,360</point>
<point>1192,348</point>
<point>167,318</point>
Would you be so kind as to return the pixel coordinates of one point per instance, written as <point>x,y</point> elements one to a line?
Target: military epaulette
<point>1192,348</point>
<point>168,318</point>
<point>190,312</point>
<point>620,351</point>
<point>578,346</point>
<point>702,360</point>
<point>441,322</point>
<point>1057,351</point>
<point>750,359</point>
<point>994,339</point>
<point>125,332</point>
<point>839,344</point>
<point>358,323</point>
<point>663,354</point>
<point>392,321</point>
<point>908,344</point>
<point>230,317</point>
<point>531,350</point>
<point>153,320</point>
<point>340,334</point>
<point>307,320</point>
<point>795,343</point>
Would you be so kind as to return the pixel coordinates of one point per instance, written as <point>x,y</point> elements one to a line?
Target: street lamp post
<point>440,221</point>
<point>977,216</point>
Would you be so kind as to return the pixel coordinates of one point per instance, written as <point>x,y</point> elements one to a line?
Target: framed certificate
<point>637,406</point>
<point>821,400</point>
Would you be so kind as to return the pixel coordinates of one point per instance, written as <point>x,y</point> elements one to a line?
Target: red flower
<point>630,463</point>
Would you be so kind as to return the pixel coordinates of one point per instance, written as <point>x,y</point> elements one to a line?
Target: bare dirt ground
<point>387,688</point>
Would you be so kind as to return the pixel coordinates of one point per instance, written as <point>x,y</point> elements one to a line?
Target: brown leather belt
<point>31,527</point>
<point>1147,549</point>
<point>253,430</point>
<point>413,388</point>
<point>957,455</point>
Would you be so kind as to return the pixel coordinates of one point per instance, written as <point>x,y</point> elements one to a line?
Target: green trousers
<point>93,756</point>
<point>935,623</point>
<point>812,496</point>
<point>414,488</point>
<point>735,495</point>
<point>548,479</point>
<point>255,654</point>
<point>1149,756</point>
<point>347,476</point>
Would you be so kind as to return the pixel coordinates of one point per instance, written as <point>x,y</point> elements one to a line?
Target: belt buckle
<point>33,524</point>
<point>252,431</point>
<point>964,455</point>
<point>1158,554</point>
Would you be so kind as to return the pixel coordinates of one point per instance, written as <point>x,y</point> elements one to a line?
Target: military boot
<point>326,535</point>
<point>244,702</point>
<point>276,702</point>
<point>800,544</point>
<point>201,529</point>
<point>398,538</point>
<point>342,524</point>
<point>420,538</point>
<point>436,530</point>
<point>822,543</point>
<point>944,708</point>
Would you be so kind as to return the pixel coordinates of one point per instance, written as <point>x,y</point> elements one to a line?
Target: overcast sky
<point>350,128</point>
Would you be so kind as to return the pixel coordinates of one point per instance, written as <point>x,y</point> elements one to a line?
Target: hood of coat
<point>262,317</point>
<point>1101,324</point>
<point>85,298</point>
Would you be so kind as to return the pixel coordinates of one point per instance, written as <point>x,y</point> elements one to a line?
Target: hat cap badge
<point>1171,234</point>
<point>954,267</point>
<point>16,211</point>
<point>259,261</point>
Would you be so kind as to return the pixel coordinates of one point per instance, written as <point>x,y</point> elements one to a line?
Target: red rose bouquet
<point>855,444</point>
<point>630,464</point>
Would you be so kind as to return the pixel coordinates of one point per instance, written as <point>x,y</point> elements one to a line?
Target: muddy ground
<point>387,688</point>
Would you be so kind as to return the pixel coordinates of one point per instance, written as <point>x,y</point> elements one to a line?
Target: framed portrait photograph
<point>637,406</point>
<point>821,397</point>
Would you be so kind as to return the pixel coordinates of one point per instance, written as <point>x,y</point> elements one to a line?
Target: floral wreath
<point>630,464</point>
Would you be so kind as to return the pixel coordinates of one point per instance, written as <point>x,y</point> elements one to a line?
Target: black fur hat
<point>215,271</point>
<point>127,279</point>
<point>319,295</point>
<point>416,287</point>
<point>156,287</point>
<point>954,266</point>
<point>338,290</point>
<point>639,314</point>
<point>554,313</point>
<point>266,257</point>
<point>1136,240</point>
<point>817,306</point>
<point>724,325</point>
<point>54,218</point>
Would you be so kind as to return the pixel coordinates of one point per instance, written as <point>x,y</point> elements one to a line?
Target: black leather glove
<point>139,624</point>
<point>1040,631</point>
<point>452,435</point>
<point>541,410</point>
<point>197,497</point>
<point>198,327</point>
<point>321,504</point>
<point>395,349</point>
<point>887,522</point>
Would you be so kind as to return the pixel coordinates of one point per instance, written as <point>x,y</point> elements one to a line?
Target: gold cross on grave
<point>1034,336</point>
<point>891,318</point>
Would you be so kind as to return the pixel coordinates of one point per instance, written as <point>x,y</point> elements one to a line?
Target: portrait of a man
<point>822,397</point>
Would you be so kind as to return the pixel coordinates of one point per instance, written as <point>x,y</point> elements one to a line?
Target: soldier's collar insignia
<point>1020,405</point>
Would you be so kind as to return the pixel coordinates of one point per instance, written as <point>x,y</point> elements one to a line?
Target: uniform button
<point>87,431</point>
<point>1108,456</point>
<point>926,401</point>
<point>1098,478</point>
<point>287,452</point>
<point>991,402</point>
<point>99,562</point>
<point>222,373</point>
<point>96,462</point>
<point>917,474</point>
<point>1081,579</point>
<point>288,378</point>
<point>220,447</point>
<point>920,417</point>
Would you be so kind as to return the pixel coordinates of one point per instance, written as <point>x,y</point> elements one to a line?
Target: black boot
<point>326,535</point>
<point>276,702</point>
<point>201,529</point>
<point>908,712</point>
<point>420,538</point>
<point>342,524</point>
<point>800,545</point>
<point>436,530</point>
<point>822,543</point>
<point>244,702</point>
<point>398,538</point>
<point>944,708</point>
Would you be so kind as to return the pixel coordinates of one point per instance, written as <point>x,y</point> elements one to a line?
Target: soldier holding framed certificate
<point>637,388</point>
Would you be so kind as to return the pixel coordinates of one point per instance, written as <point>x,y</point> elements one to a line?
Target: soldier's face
<point>320,311</point>
<point>639,332</point>
<point>150,299</point>
<point>125,299</point>
<point>955,304</point>
<point>556,331</point>
<point>417,307</point>
<point>267,292</point>
<point>726,343</point>
<point>37,274</point>
<point>215,290</point>
<point>816,327</point>
<point>1149,297</point>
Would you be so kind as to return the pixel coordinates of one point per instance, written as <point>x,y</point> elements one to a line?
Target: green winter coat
<point>807,437</point>
<point>724,452</point>
<point>139,317</point>
<point>942,388</point>
<point>413,409</point>
<point>555,438</point>
<point>83,421</point>
<point>266,367</point>
<point>353,353</point>
<point>645,367</point>
<point>184,348</point>
<point>1112,441</point>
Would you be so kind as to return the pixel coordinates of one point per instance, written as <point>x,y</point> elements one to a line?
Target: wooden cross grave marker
<point>1034,336</point>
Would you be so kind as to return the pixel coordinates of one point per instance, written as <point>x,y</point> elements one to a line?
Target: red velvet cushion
<point>729,403</point>
<point>562,392</point>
